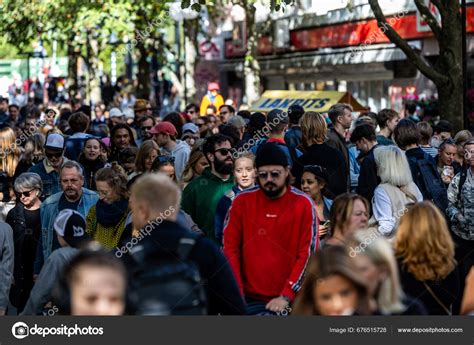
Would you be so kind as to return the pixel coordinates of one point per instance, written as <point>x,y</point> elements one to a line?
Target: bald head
<point>154,196</point>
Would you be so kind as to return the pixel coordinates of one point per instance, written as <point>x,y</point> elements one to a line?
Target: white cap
<point>129,113</point>
<point>115,112</point>
<point>54,141</point>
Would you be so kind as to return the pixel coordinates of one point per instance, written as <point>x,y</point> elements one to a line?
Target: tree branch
<point>429,18</point>
<point>395,38</point>
<point>439,5</point>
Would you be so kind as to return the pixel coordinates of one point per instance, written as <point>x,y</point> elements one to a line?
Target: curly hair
<point>423,243</point>
<point>115,177</point>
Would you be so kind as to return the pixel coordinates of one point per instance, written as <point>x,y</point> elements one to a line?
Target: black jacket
<point>330,159</point>
<point>223,294</point>
<point>368,178</point>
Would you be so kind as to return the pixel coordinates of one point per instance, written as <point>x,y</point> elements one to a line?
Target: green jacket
<point>200,198</point>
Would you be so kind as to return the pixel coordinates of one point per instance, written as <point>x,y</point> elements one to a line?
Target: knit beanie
<point>270,154</point>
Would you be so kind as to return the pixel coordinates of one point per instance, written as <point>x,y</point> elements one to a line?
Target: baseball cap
<point>190,127</point>
<point>237,121</point>
<point>164,127</point>
<point>213,87</point>
<point>129,114</point>
<point>71,226</point>
<point>115,112</point>
<point>54,141</point>
<point>277,116</point>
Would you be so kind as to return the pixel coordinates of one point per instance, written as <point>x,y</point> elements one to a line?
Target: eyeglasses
<point>223,151</point>
<point>25,194</point>
<point>50,154</point>
<point>146,128</point>
<point>274,174</point>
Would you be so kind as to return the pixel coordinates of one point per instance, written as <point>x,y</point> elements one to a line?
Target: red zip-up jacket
<point>268,242</point>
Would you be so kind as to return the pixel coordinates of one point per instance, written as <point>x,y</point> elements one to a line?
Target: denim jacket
<point>49,211</point>
<point>49,176</point>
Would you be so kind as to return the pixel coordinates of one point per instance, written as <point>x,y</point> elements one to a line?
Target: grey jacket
<point>52,268</point>
<point>464,206</point>
<point>6,263</point>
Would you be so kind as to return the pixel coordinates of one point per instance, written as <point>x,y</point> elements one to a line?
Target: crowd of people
<point>116,211</point>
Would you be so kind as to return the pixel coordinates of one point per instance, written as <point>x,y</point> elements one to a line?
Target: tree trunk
<point>143,86</point>
<point>251,65</point>
<point>72,70</point>
<point>447,72</point>
<point>450,95</point>
<point>191,57</point>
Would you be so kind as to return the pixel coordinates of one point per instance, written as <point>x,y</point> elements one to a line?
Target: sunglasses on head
<point>50,154</point>
<point>25,194</point>
<point>274,174</point>
<point>315,167</point>
<point>165,159</point>
<point>223,151</point>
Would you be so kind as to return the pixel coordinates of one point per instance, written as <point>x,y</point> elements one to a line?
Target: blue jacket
<point>49,176</point>
<point>49,211</point>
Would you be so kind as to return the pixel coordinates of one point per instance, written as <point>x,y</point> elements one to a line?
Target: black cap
<point>270,154</point>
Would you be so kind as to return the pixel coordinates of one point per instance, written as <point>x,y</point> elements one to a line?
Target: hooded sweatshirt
<point>181,154</point>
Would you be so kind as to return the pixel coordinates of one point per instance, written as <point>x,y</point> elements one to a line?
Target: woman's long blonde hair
<point>423,243</point>
<point>9,151</point>
<point>313,128</point>
<point>389,295</point>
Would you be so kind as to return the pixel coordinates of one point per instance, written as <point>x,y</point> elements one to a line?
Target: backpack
<point>167,286</point>
<point>427,178</point>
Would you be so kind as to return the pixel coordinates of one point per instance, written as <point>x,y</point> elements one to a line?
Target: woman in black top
<point>25,221</point>
<point>425,252</point>
<point>317,152</point>
<point>91,160</point>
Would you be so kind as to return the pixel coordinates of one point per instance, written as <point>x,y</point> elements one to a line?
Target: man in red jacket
<point>269,233</point>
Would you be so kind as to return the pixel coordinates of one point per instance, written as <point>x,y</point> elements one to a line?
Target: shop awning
<point>319,101</point>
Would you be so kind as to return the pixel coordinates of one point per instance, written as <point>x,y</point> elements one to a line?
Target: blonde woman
<point>396,192</point>
<point>425,251</point>
<point>375,262</point>
<point>317,152</point>
<point>9,157</point>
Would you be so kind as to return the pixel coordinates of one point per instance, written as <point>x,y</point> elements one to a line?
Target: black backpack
<point>426,177</point>
<point>167,286</point>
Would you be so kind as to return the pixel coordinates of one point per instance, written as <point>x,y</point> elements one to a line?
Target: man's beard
<point>223,167</point>
<point>273,193</point>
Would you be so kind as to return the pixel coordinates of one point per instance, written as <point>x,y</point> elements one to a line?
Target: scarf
<point>111,214</point>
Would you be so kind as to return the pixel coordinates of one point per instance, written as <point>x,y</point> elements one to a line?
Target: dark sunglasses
<point>50,154</point>
<point>264,174</point>
<point>25,194</point>
<point>223,151</point>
